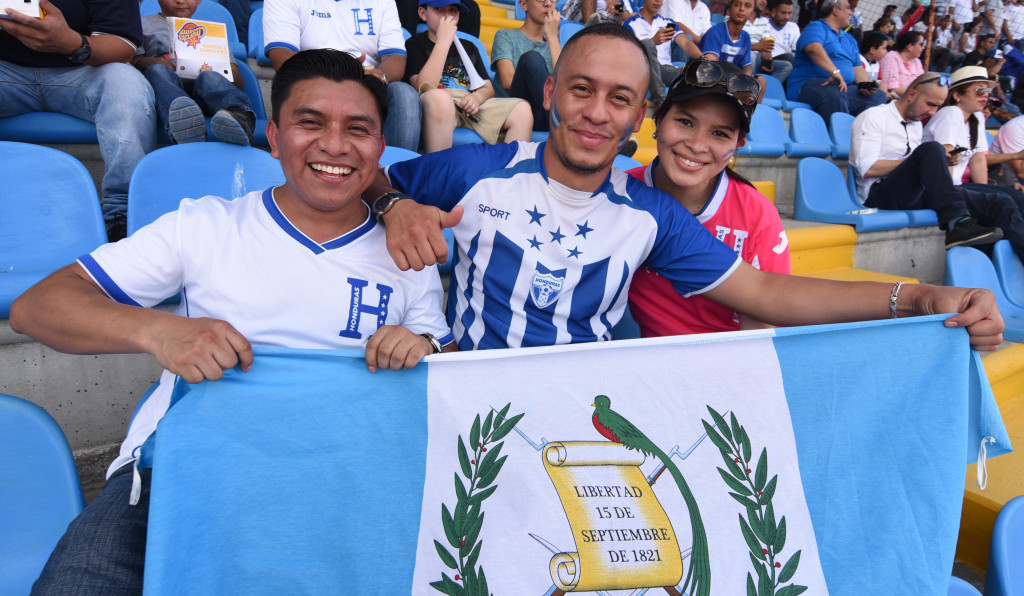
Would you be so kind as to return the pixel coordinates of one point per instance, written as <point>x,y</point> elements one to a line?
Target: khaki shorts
<point>491,116</point>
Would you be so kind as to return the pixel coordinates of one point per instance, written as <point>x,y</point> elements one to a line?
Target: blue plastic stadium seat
<point>50,217</point>
<point>219,169</point>
<point>774,94</point>
<point>809,135</point>
<point>768,136</point>
<point>567,29</point>
<point>822,195</point>
<point>257,49</point>
<point>970,268</point>
<point>717,18</point>
<point>395,154</point>
<point>40,493</point>
<point>1005,573</point>
<point>208,11</point>
<point>840,128</point>
<point>959,587</point>
<point>917,218</point>
<point>1009,271</point>
<point>46,127</point>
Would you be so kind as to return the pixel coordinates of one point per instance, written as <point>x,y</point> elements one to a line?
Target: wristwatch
<point>83,53</point>
<point>385,202</point>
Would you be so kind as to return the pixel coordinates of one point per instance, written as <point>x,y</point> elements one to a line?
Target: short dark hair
<point>332,65</point>
<point>985,37</point>
<point>612,30</point>
<point>880,23</point>
<point>871,40</point>
<point>907,39</point>
<point>772,5</point>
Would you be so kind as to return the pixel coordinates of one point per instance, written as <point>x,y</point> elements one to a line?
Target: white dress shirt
<point>880,133</point>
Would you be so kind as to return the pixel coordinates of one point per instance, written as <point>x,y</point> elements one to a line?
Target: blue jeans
<point>402,127</point>
<point>114,96</point>
<point>780,66</point>
<point>827,99</point>
<point>104,548</point>
<point>210,90</point>
<point>528,84</point>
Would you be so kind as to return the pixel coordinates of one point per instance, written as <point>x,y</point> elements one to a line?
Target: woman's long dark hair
<point>972,121</point>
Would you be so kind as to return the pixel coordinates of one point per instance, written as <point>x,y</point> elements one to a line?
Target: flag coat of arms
<point>819,460</point>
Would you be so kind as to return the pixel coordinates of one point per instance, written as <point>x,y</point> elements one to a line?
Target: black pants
<point>528,84</point>
<point>922,181</point>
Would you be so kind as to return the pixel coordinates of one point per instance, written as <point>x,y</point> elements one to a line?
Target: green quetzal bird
<point>614,427</point>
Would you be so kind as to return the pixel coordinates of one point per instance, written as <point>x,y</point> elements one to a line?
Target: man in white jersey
<point>549,235</point>
<point>300,265</point>
<point>367,29</point>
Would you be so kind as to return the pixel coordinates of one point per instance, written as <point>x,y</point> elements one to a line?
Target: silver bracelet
<point>892,299</point>
<point>433,342</point>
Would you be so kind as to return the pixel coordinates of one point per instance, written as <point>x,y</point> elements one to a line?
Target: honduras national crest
<point>546,285</point>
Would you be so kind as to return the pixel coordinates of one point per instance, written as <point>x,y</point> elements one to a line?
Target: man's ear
<point>549,92</point>
<point>272,139</point>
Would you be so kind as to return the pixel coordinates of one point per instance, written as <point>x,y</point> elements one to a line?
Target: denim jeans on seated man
<point>781,66</point>
<point>210,90</point>
<point>116,534</point>
<point>114,96</point>
<point>402,127</point>
<point>528,84</point>
<point>827,99</point>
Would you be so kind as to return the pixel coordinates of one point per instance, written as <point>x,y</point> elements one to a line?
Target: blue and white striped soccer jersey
<point>243,262</point>
<point>538,263</point>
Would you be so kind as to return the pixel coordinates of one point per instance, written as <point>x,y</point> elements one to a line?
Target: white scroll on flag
<point>822,460</point>
<point>475,82</point>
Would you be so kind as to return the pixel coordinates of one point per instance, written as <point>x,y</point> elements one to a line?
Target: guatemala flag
<point>825,460</point>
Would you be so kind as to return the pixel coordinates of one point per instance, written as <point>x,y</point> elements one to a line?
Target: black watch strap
<point>385,202</point>
<point>83,53</point>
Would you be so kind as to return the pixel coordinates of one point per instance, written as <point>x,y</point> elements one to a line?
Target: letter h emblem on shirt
<point>357,309</point>
<point>368,20</point>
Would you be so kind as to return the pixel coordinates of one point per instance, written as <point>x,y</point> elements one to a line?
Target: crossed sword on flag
<point>651,479</point>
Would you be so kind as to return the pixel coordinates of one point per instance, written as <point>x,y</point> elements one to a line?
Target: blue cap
<point>443,3</point>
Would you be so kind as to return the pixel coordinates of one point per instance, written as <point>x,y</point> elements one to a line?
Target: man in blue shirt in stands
<point>827,67</point>
<point>74,60</point>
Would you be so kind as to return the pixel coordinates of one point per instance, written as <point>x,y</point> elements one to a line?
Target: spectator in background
<point>993,21</point>
<point>450,97</point>
<point>942,46</point>
<point>872,50</point>
<point>658,35</point>
<point>895,170</point>
<point>728,41</point>
<point>884,26</point>
<point>900,67</point>
<point>409,16</point>
<point>1014,13</point>
<point>976,57</point>
<point>692,16</point>
<point>964,12</point>
<point>780,36</point>
<point>592,12</point>
<point>370,31</point>
<point>960,126</point>
<point>1006,159</point>
<point>828,66</point>
<point>808,10</point>
<point>968,40</point>
<point>523,58</point>
<point>181,104</point>
<point>855,28</point>
<point>706,124</point>
<point>73,61</point>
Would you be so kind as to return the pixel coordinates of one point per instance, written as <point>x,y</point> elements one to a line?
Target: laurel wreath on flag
<point>765,538</point>
<point>480,466</point>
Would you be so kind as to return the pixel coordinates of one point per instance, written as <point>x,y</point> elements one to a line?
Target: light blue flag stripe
<point>363,438</point>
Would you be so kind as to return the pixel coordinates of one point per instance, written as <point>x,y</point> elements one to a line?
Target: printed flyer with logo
<point>200,46</point>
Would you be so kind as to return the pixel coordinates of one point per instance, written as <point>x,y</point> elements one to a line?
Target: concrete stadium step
<point>828,252</point>
<point>1005,371</point>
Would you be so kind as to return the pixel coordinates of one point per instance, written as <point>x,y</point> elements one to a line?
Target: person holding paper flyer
<point>453,85</point>
<point>181,104</point>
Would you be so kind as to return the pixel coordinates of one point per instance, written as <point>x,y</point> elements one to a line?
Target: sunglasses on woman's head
<point>705,73</point>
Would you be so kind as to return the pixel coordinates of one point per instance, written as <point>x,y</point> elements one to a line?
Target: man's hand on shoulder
<point>395,347</point>
<point>414,234</point>
<point>197,349</point>
<point>50,33</point>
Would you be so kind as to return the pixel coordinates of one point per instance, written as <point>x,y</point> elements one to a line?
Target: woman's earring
<point>654,135</point>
